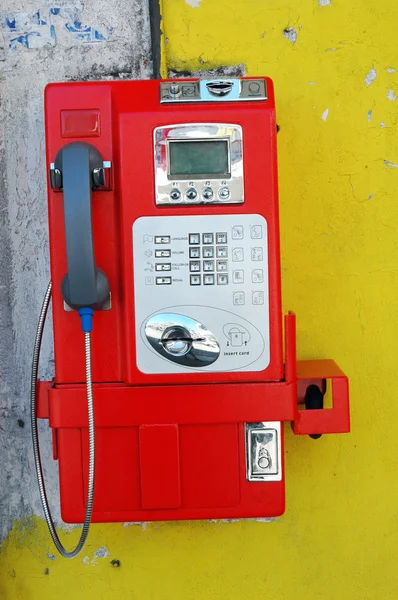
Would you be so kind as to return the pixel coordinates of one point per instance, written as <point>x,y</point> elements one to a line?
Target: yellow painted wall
<point>338,166</point>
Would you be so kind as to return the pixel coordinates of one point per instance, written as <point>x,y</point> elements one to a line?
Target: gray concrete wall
<point>40,43</point>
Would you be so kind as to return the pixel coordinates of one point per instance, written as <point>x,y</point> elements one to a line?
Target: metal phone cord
<point>91,434</point>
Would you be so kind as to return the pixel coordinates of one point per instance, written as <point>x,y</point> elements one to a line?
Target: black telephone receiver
<point>78,168</point>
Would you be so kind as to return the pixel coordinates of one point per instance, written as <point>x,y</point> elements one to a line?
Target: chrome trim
<point>184,132</point>
<point>263,451</point>
<point>182,340</point>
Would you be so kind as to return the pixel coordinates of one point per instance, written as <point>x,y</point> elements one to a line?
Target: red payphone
<point>163,216</point>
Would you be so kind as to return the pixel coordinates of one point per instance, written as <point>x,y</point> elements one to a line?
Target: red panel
<point>226,403</point>
<point>117,472</point>
<point>160,468</point>
<point>80,123</point>
<point>209,465</point>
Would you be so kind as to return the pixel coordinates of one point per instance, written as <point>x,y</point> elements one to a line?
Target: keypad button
<point>222,279</point>
<point>194,238</point>
<point>175,195</point>
<point>195,279</point>
<point>194,265</point>
<point>162,253</point>
<point>194,253</point>
<point>208,265</point>
<point>222,251</point>
<point>221,238</point>
<point>222,265</point>
<point>224,193</point>
<point>162,239</point>
<point>207,193</point>
<point>208,238</point>
<point>163,280</point>
<point>208,279</point>
<point>208,252</point>
<point>191,194</point>
<point>163,267</point>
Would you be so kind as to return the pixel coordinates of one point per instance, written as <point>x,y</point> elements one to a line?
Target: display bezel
<point>198,176</point>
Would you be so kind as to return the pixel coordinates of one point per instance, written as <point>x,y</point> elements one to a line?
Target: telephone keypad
<point>222,265</point>
<point>222,251</point>
<point>222,279</point>
<point>221,238</point>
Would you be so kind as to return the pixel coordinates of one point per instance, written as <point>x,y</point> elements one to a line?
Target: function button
<point>221,238</point>
<point>258,298</point>
<point>194,266</point>
<point>163,280</point>
<point>191,194</point>
<point>194,252</point>
<point>207,193</point>
<point>222,279</point>
<point>194,238</point>
<point>238,276</point>
<point>237,232</point>
<point>163,267</point>
<point>175,195</point>
<point>222,265</point>
<point>162,253</point>
<point>237,254</point>
<point>224,193</point>
<point>208,238</point>
<point>208,265</point>
<point>195,279</point>
<point>208,279</point>
<point>222,251</point>
<point>256,232</point>
<point>162,239</point>
<point>257,254</point>
<point>208,252</point>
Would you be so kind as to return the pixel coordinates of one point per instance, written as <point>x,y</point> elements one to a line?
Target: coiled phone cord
<point>91,434</point>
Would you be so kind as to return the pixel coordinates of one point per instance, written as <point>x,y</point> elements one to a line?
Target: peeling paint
<point>193,3</point>
<point>391,95</point>
<point>325,114</point>
<point>38,30</point>
<point>390,165</point>
<point>382,124</point>
<point>390,70</point>
<point>369,115</point>
<point>324,2</point>
<point>370,77</point>
<point>291,34</point>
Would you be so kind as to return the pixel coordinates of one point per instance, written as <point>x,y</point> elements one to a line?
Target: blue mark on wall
<point>27,30</point>
<point>87,33</point>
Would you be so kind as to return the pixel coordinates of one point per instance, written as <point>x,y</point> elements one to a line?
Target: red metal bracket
<point>326,420</point>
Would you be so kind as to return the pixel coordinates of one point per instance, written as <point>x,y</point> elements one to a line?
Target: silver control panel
<point>263,451</point>
<point>201,293</point>
<point>198,163</point>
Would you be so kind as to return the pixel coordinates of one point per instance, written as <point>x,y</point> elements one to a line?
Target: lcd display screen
<point>198,159</point>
